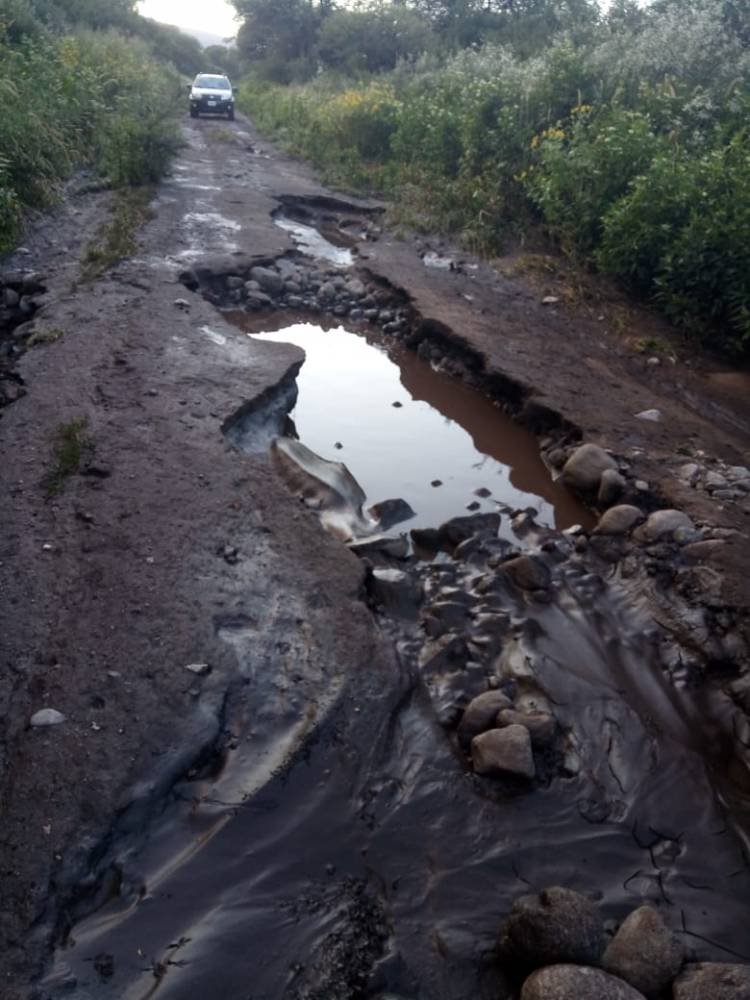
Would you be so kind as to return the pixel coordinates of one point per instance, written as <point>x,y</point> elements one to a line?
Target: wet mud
<point>317,826</point>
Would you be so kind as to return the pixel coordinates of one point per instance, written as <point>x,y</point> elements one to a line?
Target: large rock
<point>583,470</point>
<point>618,520</point>
<point>557,925</point>
<point>458,529</point>
<point>480,715</point>
<point>577,982</point>
<point>390,512</point>
<point>270,281</point>
<point>644,952</point>
<point>713,981</point>
<point>502,752</point>
<point>396,591</point>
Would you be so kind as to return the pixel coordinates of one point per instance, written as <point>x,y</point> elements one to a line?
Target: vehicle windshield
<point>212,82</point>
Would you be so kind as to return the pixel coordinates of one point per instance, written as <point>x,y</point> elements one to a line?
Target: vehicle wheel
<point>193,112</point>
<point>230,114</point>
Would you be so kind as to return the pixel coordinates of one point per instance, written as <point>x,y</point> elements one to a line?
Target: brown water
<point>440,431</point>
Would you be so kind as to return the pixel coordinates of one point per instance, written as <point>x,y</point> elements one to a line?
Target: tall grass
<point>96,99</point>
<point>632,150</point>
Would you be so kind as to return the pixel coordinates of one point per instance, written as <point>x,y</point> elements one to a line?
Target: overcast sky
<point>216,16</point>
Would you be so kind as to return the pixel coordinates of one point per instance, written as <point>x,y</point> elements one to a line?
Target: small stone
<point>199,669</point>
<point>396,591</point>
<point>653,361</point>
<point>735,472</point>
<point>653,415</point>
<point>541,725</point>
<point>397,405</point>
<point>483,492</point>
<point>689,473</point>
<point>641,485</point>
<point>618,520</point>
<point>577,982</point>
<point>707,548</point>
<point>480,715</point>
<point>270,281</point>
<point>555,925</point>
<point>583,470</point>
<point>436,482</point>
<point>550,300</point>
<point>473,505</point>
<point>338,445</point>
<point>47,717</point>
<point>713,981</point>
<point>644,952</point>
<point>715,481</point>
<point>391,512</point>
<point>327,292</point>
<point>501,752</point>
<point>181,303</point>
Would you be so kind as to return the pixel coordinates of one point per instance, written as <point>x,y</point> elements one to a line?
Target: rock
<point>46,717</point>
<point>557,925</point>
<point>181,304</point>
<point>258,300</point>
<point>611,487</point>
<point>448,653</point>
<point>713,981</point>
<point>458,529</point>
<point>736,472</point>
<point>269,281</point>
<point>577,982</point>
<point>541,725</point>
<point>199,669</point>
<point>480,715</point>
<point>644,952</point>
<point>583,470</point>
<point>483,492</point>
<point>618,520</point>
<point>390,512</point>
<point>689,473</point>
<point>326,292</point>
<point>355,288</point>
<point>715,481</point>
<point>550,300</point>
<point>234,282</point>
<point>664,522</point>
<point>501,752</point>
<point>395,548</point>
<point>653,415</point>
<point>396,591</point>
<point>10,298</point>
<point>528,572</point>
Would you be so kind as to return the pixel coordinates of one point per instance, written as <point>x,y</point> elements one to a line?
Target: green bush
<point>95,99</point>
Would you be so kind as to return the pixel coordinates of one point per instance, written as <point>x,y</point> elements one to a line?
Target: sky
<point>217,16</point>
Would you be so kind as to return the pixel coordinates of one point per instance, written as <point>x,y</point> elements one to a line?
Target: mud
<point>298,818</point>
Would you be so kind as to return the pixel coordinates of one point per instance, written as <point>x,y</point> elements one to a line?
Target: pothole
<point>407,431</point>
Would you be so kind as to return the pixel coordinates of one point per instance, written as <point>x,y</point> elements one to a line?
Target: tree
<point>372,40</point>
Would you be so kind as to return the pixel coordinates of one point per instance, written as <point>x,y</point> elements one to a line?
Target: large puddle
<point>405,430</point>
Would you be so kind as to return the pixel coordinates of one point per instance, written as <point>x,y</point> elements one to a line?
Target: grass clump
<point>116,239</point>
<point>45,336</point>
<point>67,452</point>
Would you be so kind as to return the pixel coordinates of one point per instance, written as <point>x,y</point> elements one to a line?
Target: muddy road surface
<point>351,589</point>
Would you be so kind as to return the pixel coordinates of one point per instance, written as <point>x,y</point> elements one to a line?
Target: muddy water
<point>401,427</point>
<point>341,849</point>
<point>375,853</point>
<point>312,242</point>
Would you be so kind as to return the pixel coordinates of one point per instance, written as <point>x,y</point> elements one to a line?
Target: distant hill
<point>204,37</point>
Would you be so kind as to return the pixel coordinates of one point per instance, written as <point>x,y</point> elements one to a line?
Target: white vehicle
<point>212,95</point>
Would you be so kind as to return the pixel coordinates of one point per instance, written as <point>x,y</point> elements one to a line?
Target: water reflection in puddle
<point>439,432</point>
<point>310,241</point>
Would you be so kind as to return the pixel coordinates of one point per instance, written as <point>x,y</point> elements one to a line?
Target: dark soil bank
<point>285,713</point>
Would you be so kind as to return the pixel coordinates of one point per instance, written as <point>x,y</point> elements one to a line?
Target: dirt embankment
<point>139,544</point>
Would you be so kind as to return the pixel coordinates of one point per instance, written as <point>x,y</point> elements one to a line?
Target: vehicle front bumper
<point>212,105</point>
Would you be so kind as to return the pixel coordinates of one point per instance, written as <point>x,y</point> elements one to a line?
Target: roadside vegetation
<point>624,135</point>
<point>84,83</point>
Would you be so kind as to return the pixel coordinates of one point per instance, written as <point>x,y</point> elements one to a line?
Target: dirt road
<point>168,549</point>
